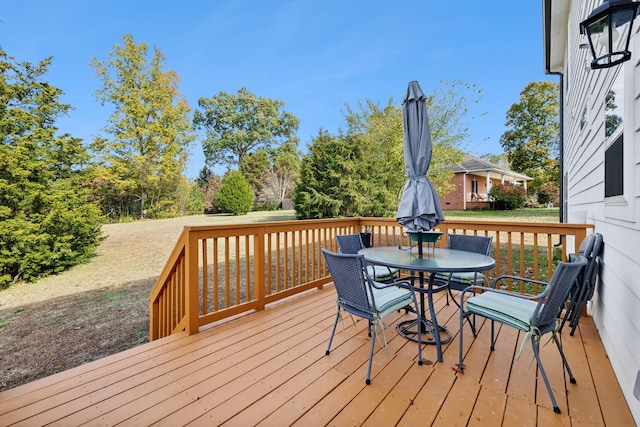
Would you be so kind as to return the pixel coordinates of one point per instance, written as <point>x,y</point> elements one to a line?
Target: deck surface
<point>269,368</point>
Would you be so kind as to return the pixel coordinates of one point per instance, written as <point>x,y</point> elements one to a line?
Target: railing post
<point>445,233</point>
<point>259,266</point>
<point>192,310</point>
<point>154,322</point>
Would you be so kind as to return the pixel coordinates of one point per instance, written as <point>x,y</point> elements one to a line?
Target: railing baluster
<point>189,292</point>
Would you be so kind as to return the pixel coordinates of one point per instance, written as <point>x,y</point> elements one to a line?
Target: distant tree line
<point>56,191</point>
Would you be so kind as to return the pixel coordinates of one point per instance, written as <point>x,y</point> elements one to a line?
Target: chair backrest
<point>555,295</point>
<point>586,247</point>
<point>349,243</point>
<point>594,259</point>
<point>349,276</point>
<point>470,243</point>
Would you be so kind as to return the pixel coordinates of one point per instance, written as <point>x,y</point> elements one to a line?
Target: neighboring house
<point>600,151</point>
<point>473,179</point>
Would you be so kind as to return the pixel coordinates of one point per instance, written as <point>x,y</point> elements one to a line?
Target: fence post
<point>259,266</point>
<point>192,309</point>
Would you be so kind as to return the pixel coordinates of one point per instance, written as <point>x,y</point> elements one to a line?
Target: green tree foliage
<point>320,193</point>
<point>532,141</point>
<point>501,159</point>
<point>142,160</point>
<point>272,173</point>
<point>508,196</point>
<point>209,185</point>
<point>361,172</point>
<point>235,195</point>
<point>194,201</point>
<point>47,222</point>
<point>254,167</point>
<point>371,167</point>
<point>448,109</point>
<point>237,125</point>
<point>549,193</point>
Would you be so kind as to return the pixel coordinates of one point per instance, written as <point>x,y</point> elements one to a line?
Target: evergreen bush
<point>235,195</point>
<point>47,221</point>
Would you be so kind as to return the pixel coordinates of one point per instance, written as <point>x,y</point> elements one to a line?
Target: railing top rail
<point>270,224</point>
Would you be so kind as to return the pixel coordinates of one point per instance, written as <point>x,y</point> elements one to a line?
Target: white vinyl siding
<point>616,305</point>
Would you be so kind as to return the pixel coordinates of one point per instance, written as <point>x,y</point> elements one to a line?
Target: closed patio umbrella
<point>419,207</point>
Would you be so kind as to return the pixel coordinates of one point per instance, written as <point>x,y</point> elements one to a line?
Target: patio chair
<point>351,244</point>
<point>584,287</point>
<point>535,315</point>
<point>360,295</point>
<point>459,281</point>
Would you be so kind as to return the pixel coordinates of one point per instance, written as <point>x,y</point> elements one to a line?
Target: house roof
<point>477,166</point>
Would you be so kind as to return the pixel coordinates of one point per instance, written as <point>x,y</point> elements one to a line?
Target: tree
<point>549,194</point>
<point>254,167</point>
<point>209,185</point>
<point>361,172</point>
<point>319,191</point>
<point>235,195</point>
<point>237,125</point>
<point>282,177</point>
<point>141,162</point>
<point>497,159</point>
<point>448,109</point>
<point>532,141</point>
<point>47,222</point>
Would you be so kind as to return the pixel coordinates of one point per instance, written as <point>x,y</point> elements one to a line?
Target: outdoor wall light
<point>608,29</point>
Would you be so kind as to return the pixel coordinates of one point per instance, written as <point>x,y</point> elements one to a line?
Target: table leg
<point>407,328</point>
<point>434,319</point>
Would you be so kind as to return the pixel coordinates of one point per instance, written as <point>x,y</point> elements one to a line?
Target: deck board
<point>269,368</point>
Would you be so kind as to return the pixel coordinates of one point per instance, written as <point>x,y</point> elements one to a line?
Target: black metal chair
<point>469,243</point>
<point>360,295</point>
<point>591,247</point>
<point>534,315</point>
<point>351,244</point>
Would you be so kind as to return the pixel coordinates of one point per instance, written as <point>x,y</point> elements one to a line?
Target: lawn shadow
<point>46,337</point>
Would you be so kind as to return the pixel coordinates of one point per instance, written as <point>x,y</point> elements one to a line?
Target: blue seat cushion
<point>460,281</point>
<point>378,272</point>
<point>508,309</point>
<point>391,298</point>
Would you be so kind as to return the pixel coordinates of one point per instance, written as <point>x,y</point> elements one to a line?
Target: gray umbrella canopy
<point>419,207</point>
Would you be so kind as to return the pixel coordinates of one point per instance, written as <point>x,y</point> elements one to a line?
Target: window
<point>619,157</point>
<point>474,186</point>
<point>613,132</point>
<point>614,168</point>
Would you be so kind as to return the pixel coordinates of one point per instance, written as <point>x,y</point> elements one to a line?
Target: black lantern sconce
<point>608,28</point>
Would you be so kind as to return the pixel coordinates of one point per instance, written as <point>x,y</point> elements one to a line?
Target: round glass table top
<point>432,260</point>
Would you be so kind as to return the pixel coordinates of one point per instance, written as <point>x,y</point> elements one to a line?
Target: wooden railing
<point>216,272</point>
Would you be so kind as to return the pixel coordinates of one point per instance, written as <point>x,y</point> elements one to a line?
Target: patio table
<point>433,261</point>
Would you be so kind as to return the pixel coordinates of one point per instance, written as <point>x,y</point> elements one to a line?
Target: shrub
<point>267,206</point>
<point>62,234</point>
<point>531,202</point>
<point>549,194</point>
<point>508,196</point>
<point>235,195</point>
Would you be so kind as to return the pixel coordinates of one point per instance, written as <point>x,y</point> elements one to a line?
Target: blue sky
<point>316,56</point>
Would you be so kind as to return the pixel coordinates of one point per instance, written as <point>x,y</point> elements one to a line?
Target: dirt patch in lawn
<point>96,309</point>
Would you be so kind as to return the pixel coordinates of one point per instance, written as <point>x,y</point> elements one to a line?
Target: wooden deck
<point>269,368</point>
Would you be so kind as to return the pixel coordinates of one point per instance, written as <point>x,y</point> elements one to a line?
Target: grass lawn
<point>525,214</point>
<point>101,307</point>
